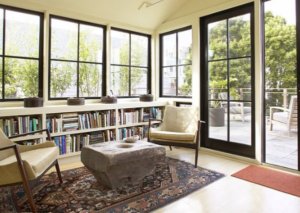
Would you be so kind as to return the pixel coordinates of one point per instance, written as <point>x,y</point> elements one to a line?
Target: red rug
<point>280,181</point>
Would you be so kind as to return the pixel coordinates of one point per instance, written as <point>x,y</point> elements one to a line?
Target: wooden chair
<point>180,127</point>
<point>287,117</point>
<point>20,164</point>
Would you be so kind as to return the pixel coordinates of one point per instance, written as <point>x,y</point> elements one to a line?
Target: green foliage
<point>186,88</point>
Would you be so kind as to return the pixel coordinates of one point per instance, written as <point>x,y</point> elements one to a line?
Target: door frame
<point>233,148</point>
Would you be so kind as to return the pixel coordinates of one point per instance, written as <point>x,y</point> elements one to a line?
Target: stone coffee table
<point>117,163</point>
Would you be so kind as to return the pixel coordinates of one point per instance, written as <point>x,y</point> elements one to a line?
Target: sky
<point>285,8</point>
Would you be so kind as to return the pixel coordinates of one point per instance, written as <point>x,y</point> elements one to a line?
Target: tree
<point>186,88</point>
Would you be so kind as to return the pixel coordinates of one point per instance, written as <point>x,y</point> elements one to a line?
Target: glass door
<point>228,80</point>
<point>280,84</point>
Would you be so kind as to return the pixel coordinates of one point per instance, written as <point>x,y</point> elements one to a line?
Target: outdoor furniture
<point>20,164</point>
<point>117,163</point>
<point>287,117</point>
<point>180,127</point>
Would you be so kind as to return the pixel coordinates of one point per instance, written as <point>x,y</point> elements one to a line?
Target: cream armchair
<point>20,164</point>
<point>180,127</point>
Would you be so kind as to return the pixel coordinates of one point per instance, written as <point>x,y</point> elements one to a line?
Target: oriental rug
<point>80,192</point>
<point>281,181</point>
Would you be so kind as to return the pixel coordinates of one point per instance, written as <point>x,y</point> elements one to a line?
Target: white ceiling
<point>120,11</point>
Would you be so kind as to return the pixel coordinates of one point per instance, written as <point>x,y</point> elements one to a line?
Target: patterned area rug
<point>80,192</point>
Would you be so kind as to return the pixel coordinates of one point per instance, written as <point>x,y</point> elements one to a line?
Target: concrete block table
<point>117,163</point>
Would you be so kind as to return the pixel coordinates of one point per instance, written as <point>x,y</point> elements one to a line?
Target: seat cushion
<point>172,136</point>
<point>35,163</point>
<point>281,116</point>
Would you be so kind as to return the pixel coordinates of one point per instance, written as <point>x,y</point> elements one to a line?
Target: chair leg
<point>196,157</point>
<point>170,148</point>
<point>58,171</point>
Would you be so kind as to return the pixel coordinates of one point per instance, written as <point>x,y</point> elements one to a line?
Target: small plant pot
<point>33,102</point>
<point>216,117</point>
<point>109,99</point>
<point>146,98</point>
<point>75,101</point>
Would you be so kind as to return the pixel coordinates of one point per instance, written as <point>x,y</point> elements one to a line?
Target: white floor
<point>227,195</point>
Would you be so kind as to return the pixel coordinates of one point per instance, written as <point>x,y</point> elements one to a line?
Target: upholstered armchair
<point>20,164</point>
<point>180,127</point>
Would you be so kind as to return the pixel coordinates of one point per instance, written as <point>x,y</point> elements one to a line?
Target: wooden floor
<point>228,194</point>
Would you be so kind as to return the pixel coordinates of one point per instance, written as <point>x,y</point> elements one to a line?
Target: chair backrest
<point>293,115</point>
<point>180,119</point>
<point>5,141</point>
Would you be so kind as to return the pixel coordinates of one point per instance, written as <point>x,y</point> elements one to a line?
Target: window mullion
<point>78,46</point>
<point>3,52</point>
<point>129,68</point>
<point>177,64</point>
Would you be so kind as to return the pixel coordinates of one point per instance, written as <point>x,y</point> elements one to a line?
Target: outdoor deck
<point>281,147</point>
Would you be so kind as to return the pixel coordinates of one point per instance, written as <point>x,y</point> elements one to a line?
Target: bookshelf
<point>72,127</point>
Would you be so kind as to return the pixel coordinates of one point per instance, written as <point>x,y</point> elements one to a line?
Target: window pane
<point>22,34</point>
<point>217,40</point>
<point>240,79</point>
<point>63,79</point>
<point>185,80</point>
<point>217,122</point>
<point>91,43</point>
<point>119,80</point>
<point>1,32</point>
<point>64,39</point>
<point>185,47</point>
<point>138,81</point>
<point>119,47</point>
<point>169,50</point>
<point>139,50</point>
<point>21,78</point>
<point>169,81</point>
<point>1,80</point>
<point>90,80</point>
<point>217,72</point>
<point>239,36</point>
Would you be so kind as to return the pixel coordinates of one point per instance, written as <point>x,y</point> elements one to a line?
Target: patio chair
<point>180,127</point>
<point>235,108</point>
<point>20,164</point>
<point>284,116</point>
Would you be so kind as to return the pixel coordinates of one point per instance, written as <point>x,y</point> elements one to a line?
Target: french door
<point>281,82</point>
<point>227,80</point>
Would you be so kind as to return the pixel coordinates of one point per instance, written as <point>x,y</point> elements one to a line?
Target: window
<point>130,63</point>
<point>21,43</point>
<point>176,63</point>
<point>76,59</point>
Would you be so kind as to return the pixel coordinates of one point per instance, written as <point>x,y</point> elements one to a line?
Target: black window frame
<point>40,55</point>
<point>149,89</point>
<point>161,59</point>
<point>78,22</point>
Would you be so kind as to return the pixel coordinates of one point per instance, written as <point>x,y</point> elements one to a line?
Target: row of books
<point>141,131</point>
<point>130,116</point>
<point>97,119</point>
<point>20,125</point>
<point>152,112</point>
<point>74,143</point>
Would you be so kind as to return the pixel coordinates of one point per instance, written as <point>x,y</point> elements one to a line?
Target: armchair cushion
<point>281,116</point>
<point>172,136</point>
<point>35,161</point>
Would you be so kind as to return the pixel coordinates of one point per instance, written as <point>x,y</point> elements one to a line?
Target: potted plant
<point>216,111</point>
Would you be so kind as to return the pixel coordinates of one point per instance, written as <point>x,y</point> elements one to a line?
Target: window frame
<point>40,58</point>
<point>149,68</point>
<point>161,59</point>
<point>78,61</point>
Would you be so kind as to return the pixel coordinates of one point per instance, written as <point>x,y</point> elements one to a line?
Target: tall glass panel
<point>281,84</point>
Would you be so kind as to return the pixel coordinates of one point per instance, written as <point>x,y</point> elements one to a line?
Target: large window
<point>20,53</point>
<point>76,59</point>
<point>130,63</point>
<point>176,63</point>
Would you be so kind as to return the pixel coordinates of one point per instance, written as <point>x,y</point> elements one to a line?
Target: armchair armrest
<point>149,125</point>
<point>33,132</point>
<point>277,108</point>
<point>13,146</point>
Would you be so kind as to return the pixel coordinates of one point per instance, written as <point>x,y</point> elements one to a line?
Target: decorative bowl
<point>75,101</point>
<point>33,102</point>
<point>132,139</point>
<point>109,99</point>
<point>146,98</point>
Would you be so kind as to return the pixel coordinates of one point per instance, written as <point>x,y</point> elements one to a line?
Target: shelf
<point>137,124</point>
<point>82,131</point>
<point>28,137</point>
<point>69,155</point>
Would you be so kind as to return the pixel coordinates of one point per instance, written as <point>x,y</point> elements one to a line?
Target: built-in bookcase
<point>73,127</point>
